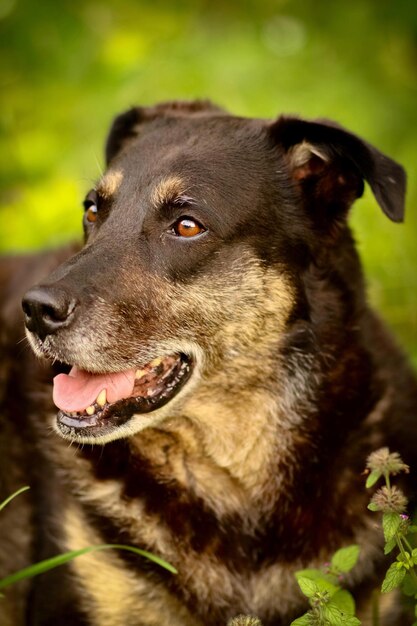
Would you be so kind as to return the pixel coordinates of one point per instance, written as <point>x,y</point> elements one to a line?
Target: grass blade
<point>60,559</point>
<point>10,498</point>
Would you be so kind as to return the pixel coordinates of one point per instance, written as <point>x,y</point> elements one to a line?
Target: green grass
<point>65,557</point>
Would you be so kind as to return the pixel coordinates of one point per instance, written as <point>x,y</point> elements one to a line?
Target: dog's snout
<point>47,309</point>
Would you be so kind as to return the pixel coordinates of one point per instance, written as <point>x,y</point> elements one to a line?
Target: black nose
<point>47,310</point>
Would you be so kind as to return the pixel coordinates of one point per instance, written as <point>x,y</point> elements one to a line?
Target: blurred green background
<point>68,66</point>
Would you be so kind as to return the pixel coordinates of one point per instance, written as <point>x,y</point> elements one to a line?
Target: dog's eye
<point>187,227</point>
<point>90,211</point>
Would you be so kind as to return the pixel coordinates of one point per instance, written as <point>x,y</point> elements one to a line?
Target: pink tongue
<point>79,389</point>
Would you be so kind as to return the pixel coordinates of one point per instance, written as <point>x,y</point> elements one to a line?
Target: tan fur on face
<point>167,190</point>
<point>109,184</point>
<point>239,430</point>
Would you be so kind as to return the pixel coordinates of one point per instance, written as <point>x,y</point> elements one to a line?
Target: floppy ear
<point>122,129</point>
<point>127,125</point>
<point>330,165</point>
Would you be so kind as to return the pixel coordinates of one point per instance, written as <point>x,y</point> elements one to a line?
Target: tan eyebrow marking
<point>109,184</point>
<point>167,190</point>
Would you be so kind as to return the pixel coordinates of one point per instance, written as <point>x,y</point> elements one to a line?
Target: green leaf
<point>390,523</point>
<point>312,574</point>
<point>409,586</point>
<point>344,559</point>
<point>316,574</point>
<point>336,617</point>
<point>304,620</point>
<point>373,507</point>
<point>10,498</point>
<point>60,559</point>
<point>373,477</point>
<point>344,601</point>
<point>414,556</point>
<point>310,586</point>
<point>307,586</point>
<point>393,578</point>
<point>325,585</point>
<point>351,620</point>
<point>389,546</point>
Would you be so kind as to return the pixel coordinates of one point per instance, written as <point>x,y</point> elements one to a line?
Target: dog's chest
<point>224,565</point>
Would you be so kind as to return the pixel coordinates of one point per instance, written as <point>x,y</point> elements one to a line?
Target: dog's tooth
<point>101,398</point>
<point>90,410</point>
<point>140,373</point>
<point>156,362</point>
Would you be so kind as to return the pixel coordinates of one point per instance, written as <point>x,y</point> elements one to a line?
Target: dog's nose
<point>47,309</point>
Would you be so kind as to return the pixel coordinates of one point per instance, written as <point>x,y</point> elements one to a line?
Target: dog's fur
<point>254,469</point>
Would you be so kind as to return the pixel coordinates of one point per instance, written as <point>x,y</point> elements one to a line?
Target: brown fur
<point>254,469</point>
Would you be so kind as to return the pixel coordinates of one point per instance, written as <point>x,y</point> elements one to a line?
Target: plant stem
<point>322,621</point>
<point>400,547</point>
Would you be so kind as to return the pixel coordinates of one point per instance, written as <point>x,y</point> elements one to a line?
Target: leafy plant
<point>396,524</point>
<point>60,559</point>
<point>330,604</point>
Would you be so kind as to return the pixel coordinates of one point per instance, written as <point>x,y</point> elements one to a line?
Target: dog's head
<point>195,240</point>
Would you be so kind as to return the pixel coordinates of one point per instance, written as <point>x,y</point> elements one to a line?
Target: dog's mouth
<point>93,404</point>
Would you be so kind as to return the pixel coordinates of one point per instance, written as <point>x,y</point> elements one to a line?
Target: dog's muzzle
<point>93,404</point>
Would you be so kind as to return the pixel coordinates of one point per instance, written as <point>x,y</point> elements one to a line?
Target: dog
<point>218,378</point>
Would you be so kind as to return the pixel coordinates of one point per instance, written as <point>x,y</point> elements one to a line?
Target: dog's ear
<point>124,127</point>
<point>330,165</point>
<point>127,125</point>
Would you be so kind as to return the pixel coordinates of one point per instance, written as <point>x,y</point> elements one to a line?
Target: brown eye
<point>187,227</point>
<point>91,213</point>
